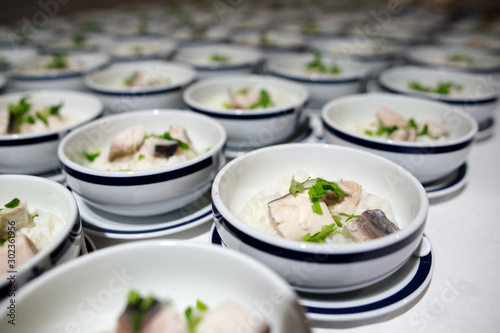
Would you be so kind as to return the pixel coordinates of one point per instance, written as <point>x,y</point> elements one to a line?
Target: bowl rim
<point>29,138</point>
<point>167,47</point>
<point>268,275</point>
<point>401,146</point>
<point>256,55</point>
<point>273,69</point>
<point>389,86</point>
<point>243,113</point>
<point>412,56</point>
<point>413,228</point>
<point>56,74</point>
<point>90,84</point>
<point>121,175</point>
<point>74,216</point>
<point>392,50</point>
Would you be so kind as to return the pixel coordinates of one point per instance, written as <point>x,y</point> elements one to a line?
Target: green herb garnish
<point>368,132</point>
<point>127,81</point>
<point>413,124</point>
<point>425,131</point>
<point>219,58</point>
<point>317,65</point>
<point>166,136</point>
<point>194,315</point>
<point>59,61</point>
<point>20,108</point>
<point>442,88</point>
<point>43,117</point>
<point>264,101</point>
<point>320,236</point>
<point>13,203</point>
<point>141,157</point>
<point>78,40</point>
<point>54,110</point>
<point>295,187</point>
<point>349,216</point>
<point>461,58</point>
<point>382,129</point>
<point>91,156</point>
<point>141,307</point>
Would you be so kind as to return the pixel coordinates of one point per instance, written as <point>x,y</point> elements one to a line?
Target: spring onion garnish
<point>78,40</point>
<point>59,61</point>
<point>461,58</point>
<point>20,108</point>
<point>127,81</point>
<point>320,236</point>
<point>91,156</point>
<point>442,88</point>
<point>141,157</point>
<point>264,101</point>
<point>295,187</point>
<point>219,58</point>
<point>317,65</point>
<point>194,315</point>
<point>382,129</point>
<point>317,191</point>
<point>166,136</point>
<point>54,109</point>
<point>141,307</point>
<point>349,216</point>
<point>13,203</point>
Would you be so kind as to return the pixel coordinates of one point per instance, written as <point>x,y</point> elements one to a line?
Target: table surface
<point>464,294</point>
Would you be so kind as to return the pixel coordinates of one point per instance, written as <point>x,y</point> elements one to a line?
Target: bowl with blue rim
<point>430,139</point>
<point>255,110</point>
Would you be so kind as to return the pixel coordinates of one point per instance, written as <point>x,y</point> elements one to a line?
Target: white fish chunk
<point>229,317</point>
<point>74,64</point>
<point>139,79</point>
<point>25,249</point>
<point>179,133</point>
<point>244,99</point>
<point>390,118</point>
<point>352,191</point>
<point>436,130</point>
<point>19,214</point>
<point>293,216</point>
<point>371,224</point>
<point>127,142</point>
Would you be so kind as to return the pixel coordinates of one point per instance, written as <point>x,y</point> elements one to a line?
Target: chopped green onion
<point>133,297</point>
<point>320,236</point>
<point>127,81</point>
<point>219,58</point>
<point>20,108</point>
<point>194,315</point>
<point>350,216</point>
<point>264,101</point>
<point>13,203</point>
<point>43,117</point>
<point>91,156</point>
<point>295,187</point>
<point>59,61</point>
<point>425,131</point>
<point>413,123</point>
<point>141,157</point>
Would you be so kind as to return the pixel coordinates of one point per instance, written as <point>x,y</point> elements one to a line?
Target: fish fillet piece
<point>352,191</point>
<point>25,249</point>
<point>179,133</point>
<point>127,142</point>
<point>240,100</point>
<point>293,216</point>
<point>390,118</point>
<point>158,318</point>
<point>19,214</point>
<point>229,317</point>
<point>372,224</point>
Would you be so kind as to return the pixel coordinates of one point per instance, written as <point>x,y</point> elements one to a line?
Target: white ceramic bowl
<point>250,128</point>
<point>144,192</point>
<point>322,87</point>
<point>51,197</point>
<point>37,153</point>
<point>478,97</point>
<point>320,267</point>
<point>242,60</point>
<point>21,79</point>
<point>375,54</point>
<point>181,272</point>
<point>133,49</point>
<point>435,57</point>
<point>274,41</point>
<point>108,85</point>
<point>17,57</point>
<point>427,161</point>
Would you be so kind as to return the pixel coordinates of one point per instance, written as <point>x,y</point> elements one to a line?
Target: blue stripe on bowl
<point>314,81</point>
<point>128,180</point>
<point>90,226</point>
<point>452,102</point>
<point>240,116</point>
<point>139,92</point>
<point>393,147</point>
<point>225,67</point>
<point>326,258</point>
<point>70,75</point>
<point>462,171</point>
<point>28,141</point>
<point>423,271</point>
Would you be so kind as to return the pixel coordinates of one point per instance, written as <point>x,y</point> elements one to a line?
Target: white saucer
<point>307,133</point>
<point>56,175</point>
<point>104,224</point>
<point>384,300</point>
<point>447,185</point>
<point>486,129</point>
